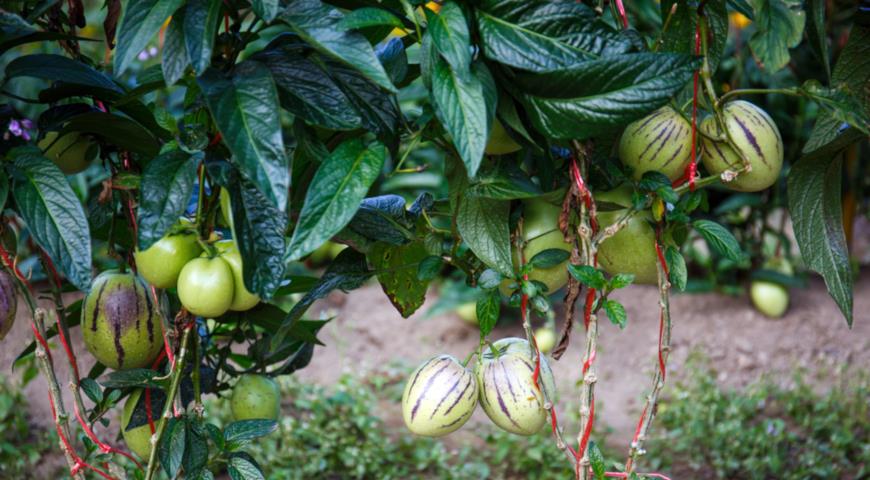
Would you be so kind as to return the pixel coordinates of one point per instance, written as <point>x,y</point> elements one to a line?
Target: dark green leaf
<point>394,59</point>
<point>246,430</point>
<point>779,25</point>
<point>600,95</point>
<point>719,238</point>
<point>397,273</point>
<point>615,312</point>
<point>115,130</point>
<point>266,9</point>
<point>596,461</point>
<point>621,280</point>
<point>92,389</point>
<point>489,279</point>
<point>549,258</point>
<point>483,225</point>
<point>816,34</point>
<point>384,218</point>
<point>783,279</point>
<point>839,105</point>
<point>320,25</point>
<point>676,267</point>
<point>743,7</point>
<point>53,214</point>
<point>335,194</point>
<point>588,275</point>
<point>139,23</point>
<point>140,411</point>
<point>488,308</point>
<point>245,108</point>
<point>167,184</point>
<point>429,268</point>
<point>58,68</point>
<point>680,35</point>
<point>174,58</point>
<point>196,450</point>
<point>450,36</point>
<point>504,184</point>
<point>137,377</point>
<point>201,19</point>
<point>243,467</point>
<point>172,446</point>
<point>369,17</point>
<point>15,31</point>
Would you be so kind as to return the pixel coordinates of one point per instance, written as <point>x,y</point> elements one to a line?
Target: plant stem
<point>755,91</point>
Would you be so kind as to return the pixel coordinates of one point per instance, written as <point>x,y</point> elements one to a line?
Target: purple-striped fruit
<point>120,323</point>
<point>661,141</point>
<point>255,397</point>
<point>632,249</point>
<point>508,393</point>
<point>439,398</point>
<point>138,439</point>
<point>8,303</point>
<point>755,137</point>
<point>161,263</point>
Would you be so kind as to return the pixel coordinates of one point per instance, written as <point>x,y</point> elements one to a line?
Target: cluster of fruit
<point>441,394</point>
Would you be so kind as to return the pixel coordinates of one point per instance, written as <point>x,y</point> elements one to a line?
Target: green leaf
<point>139,23</point>
<point>140,416</point>
<point>15,31</point>
<point>588,275</point>
<point>266,9</point>
<point>545,35</point>
<point>680,35</point>
<point>243,467</point>
<point>53,214</point>
<point>174,59</point>
<point>335,194</point>
<point>429,268</point>
<point>620,280</point>
<point>137,377</point>
<point>384,218</point>
<point>489,279</point>
<point>58,68</point>
<point>814,197</point>
<point>615,312</point>
<point>779,25</point>
<point>483,225</point>
<point>4,189</point>
<point>488,309</point>
<point>719,238</point>
<point>196,449</point>
<point>838,104</point>
<point>244,106</point>
<point>450,36</point>
<point>115,130</point>
<point>167,184</point>
<point>743,7</point>
<point>676,267</point>
<point>320,25</point>
<point>397,268</point>
<point>817,35</point>
<point>172,446</point>
<point>549,258</point>
<point>598,96</point>
<point>369,17</point>
<point>246,430</point>
<point>596,461</point>
<point>464,109</point>
<point>504,184</point>
<point>201,19</point>
<point>92,389</point>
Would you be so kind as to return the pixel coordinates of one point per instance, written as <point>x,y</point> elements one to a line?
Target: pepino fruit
<point>242,298</point>
<point>546,339</point>
<point>8,303</point>
<point>138,439</point>
<point>769,298</point>
<point>255,397</point>
<point>205,286</point>
<point>439,398</point>
<point>632,249</point>
<point>756,138</point>
<point>72,153</point>
<point>468,312</point>
<point>120,323</point>
<point>508,393</point>
<point>661,141</point>
<point>162,262</point>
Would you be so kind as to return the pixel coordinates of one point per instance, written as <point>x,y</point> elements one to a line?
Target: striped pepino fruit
<point>661,141</point>
<point>632,249</point>
<point>120,323</point>
<point>8,303</point>
<point>755,136</point>
<point>508,393</point>
<point>439,398</point>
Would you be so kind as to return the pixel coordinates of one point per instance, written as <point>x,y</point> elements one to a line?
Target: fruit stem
<point>756,91</point>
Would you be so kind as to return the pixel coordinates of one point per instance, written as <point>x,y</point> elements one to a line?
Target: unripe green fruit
<point>205,286</point>
<point>162,262</point>
<point>755,136</point>
<point>227,209</point>
<point>508,393</point>
<point>661,141</point>
<point>499,142</point>
<point>138,439</point>
<point>8,303</point>
<point>632,249</point>
<point>120,324</point>
<point>439,397</point>
<point>546,339</point>
<point>242,298</point>
<point>72,153</point>
<point>769,298</point>
<point>468,312</point>
<point>255,397</point>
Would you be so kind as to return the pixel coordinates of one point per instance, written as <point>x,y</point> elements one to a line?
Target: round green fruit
<point>468,312</point>
<point>255,397</point>
<point>769,298</point>
<point>439,397</point>
<point>546,339</point>
<point>138,439</point>
<point>205,286</point>
<point>72,153</point>
<point>499,142</point>
<point>242,298</point>
<point>508,393</point>
<point>8,303</point>
<point>661,141</point>
<point>120,324</point>
<point>632,249</point>
<point>162,262</point>
<point>755,136</point>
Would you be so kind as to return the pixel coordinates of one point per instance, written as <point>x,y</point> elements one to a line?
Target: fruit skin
<point>138,439</point>
<point>8,303</point>
<point>661,141</point>
<point>755,135</point>
<point>468,312</point>
<point>546,339</point>
<point>205,286</point>
<point>121,326</point>
<point>769,298</point>
<point>255,397</point>
<point>632,249</point>
<point>162,262</point>
<point>508,394</point>
<point>499,142</point>
<point>242,298</point>
<point>72,153</point>
<point>439,397</point>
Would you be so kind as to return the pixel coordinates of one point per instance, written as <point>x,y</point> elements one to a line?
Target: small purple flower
<point>19,128</point>
<point>143,55</point>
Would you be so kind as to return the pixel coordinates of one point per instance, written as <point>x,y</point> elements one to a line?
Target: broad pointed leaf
<point>266,9</point>
<point>450,35</point>
<point>779,26</point>
<point>397,273</point>
<point>139,23</point>
<point>59,68</point>
<point>167,184</point>
<point>201,19</point>
<point>174,58</point>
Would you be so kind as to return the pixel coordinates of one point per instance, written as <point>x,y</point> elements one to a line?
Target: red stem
<point>622,14</point>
